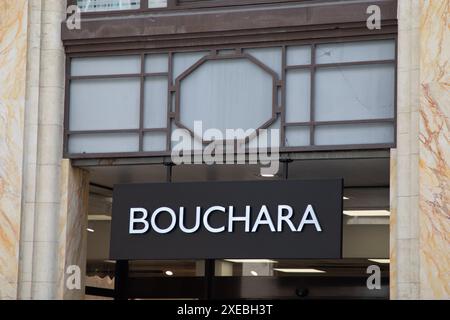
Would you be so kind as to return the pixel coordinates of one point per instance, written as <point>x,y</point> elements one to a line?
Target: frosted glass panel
<point>155,141</point>
<point>103,143</point>
<point>108,5</point>
<point>271,57</point>
<point>297,136</point>
<point>356,51</point>
<point>155,112</point>
<point>227,94</point>
<point>181,139</point>
<point>104,104</point>
<point>184,60</point>
<point>273,130</point>
<point>358,92</point>
<point>157,3</point>
<point>354,134</point>
<point>156,63</point>
<point>105,65</point>
<point>298,92</point>
<point>299,55</point>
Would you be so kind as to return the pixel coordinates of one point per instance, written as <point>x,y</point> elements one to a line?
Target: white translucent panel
<point>155,102</point>
<point>298,55</point>
<point>104,104</point>
<point>157,4</point>
<point>181,139</point>
<point>107,5</point>
<point>271,57</point>
<point>105,65</point>
<point>227,94</point>
<point>155,63</point>
<point>357,92</point>
<point>104,143</point>
<point>297,136</point>
<point>298,95</point>
<point>155,141</point>
<point>184,60</point>
<point>273,135</point>
<point>354,134</point>
<point>356,51</point>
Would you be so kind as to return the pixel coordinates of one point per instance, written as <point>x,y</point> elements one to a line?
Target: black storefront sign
<point>217,220</point>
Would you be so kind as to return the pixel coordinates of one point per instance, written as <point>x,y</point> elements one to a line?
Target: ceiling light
<point>251,260</point>
<point>254,273</point>
<point>299,270</point>
<point>90,230</point>
<point>169,273</point>
<point>110,261</point>
<point>367,213</point>
<point>381,261</point>
<point>267,175</point>
<point>346,198</point>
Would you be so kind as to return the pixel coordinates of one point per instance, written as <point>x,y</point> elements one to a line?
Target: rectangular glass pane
<point>157,3</point>
<point>356,51</point>
<point>155,63</point>
<point>105,65</point>
<point>108,5</point>
<point>297,136</point>
<point>271,57</point>
<point>104,104</point>
<point>104,143</point>
<point>155,102</point>
<point>356,92</point>
<point>298,92</point>
<point>354,134</point>
<point>155,141</point>
<point>298,55</point>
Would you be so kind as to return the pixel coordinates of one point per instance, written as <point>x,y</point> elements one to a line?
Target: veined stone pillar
<point>434,150</point>
<point>420,227</point>
<point>13,48</point>
<point>73,229</point>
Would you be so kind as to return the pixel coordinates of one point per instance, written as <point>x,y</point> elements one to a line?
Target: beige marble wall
<point>420,218</point>
<point>73,226</point>
<point>434,152</point>
<point>13,53</point>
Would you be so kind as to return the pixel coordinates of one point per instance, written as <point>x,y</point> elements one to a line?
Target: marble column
<point>404,279</point>
<point>49,154</point>
<point>420,218</point>
<point>72,228</point>
<point>434,150</point>
<point>30,145</point>
<point>13,48</point>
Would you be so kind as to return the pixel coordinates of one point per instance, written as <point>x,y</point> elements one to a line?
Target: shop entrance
<point>365,239</point>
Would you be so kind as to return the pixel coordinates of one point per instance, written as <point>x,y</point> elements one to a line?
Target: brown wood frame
<point>236,34</point>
